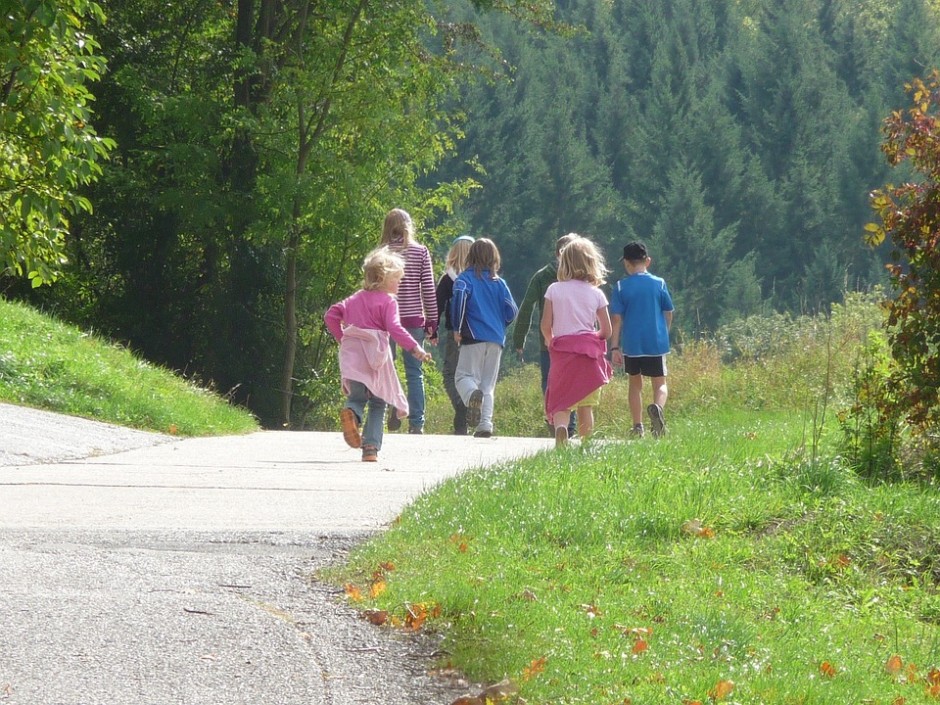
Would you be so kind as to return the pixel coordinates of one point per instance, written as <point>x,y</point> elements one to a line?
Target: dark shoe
<point>462,431</point>
<point>350,426</point>
<point>483,434</point>
<point>394,423</point>
<point>561,437</point>
<point>417,430</point>
<point>658,421</point>
<point>474,408</point>
<point>637,431</point>
<point>370,454</point>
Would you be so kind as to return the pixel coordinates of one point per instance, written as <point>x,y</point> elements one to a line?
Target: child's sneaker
<point>637,430</point>
<point>474,408</point>
<point>350,425</point>
<point>370,454</point>
<point>656,417</point>
<point>394,423</point>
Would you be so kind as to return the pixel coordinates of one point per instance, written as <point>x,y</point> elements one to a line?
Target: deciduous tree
<point>48,147</point>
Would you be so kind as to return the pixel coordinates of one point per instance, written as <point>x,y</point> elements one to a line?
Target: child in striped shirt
<point>417,305</point>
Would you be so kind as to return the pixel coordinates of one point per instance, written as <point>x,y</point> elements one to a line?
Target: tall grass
<point>49,365</point>
<point>737,560</point>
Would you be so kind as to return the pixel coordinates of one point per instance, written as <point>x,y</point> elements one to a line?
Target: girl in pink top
<point>364,324</point>
<point>576,325</point>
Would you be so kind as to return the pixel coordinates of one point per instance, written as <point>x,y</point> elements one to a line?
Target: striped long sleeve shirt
<point>417,299</point>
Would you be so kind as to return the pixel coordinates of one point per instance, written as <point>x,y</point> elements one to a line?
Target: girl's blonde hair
<point>483,255</point>
<point>398,227</point>
<point>379,265</point>
<point>457,256</point>
<point>581,259</point>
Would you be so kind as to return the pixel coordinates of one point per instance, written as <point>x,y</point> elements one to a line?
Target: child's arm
<point>605,327</point>
<point>458,306</point>
<point>334,319</point>
<point>616,354</point>
<point>668,316</point>
<point>510,309</point>
<point>546,324</point>
<point>400,334</point>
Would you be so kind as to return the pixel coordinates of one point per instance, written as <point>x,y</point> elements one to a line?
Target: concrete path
<point>143,569</point>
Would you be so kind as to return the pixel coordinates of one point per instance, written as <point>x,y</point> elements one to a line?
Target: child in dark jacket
<point>456,262</point>
<point>481,309</point>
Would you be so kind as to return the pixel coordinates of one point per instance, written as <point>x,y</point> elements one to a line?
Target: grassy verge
<point>655,572</point>
<point>49,365</point>
<point>735,561</point>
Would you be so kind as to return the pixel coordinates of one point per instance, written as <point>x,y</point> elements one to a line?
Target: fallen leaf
<point>899,701</point>
<point>173,429</point>
<point>376,617</point>
<point>416,615</point>
<point>933,676</point>
<point>353,592</point>
<point>894,665</point>
<point>533,669</point>
<point>639,646</point>
<point>529,596</point>
<point>827,669</point>
<point>721,690</point>
<point>388,566</point>
<point>377,588</point>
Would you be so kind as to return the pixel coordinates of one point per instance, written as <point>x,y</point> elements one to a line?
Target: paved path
<point>143,569</point>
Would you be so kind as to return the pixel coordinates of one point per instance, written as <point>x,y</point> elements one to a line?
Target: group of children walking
<point>472,307</point>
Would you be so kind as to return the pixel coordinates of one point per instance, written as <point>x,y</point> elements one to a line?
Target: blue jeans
<point>414,381</point>
<point>358,400</point>
<point>545,364</point>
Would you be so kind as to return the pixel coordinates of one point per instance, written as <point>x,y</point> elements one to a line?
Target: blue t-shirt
<point>641,300</point>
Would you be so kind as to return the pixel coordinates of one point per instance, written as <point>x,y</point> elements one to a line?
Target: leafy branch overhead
<point>48,148</point>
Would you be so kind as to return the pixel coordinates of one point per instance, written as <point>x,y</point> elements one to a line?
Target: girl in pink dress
<point>365,324</point>
<point>576,325</point>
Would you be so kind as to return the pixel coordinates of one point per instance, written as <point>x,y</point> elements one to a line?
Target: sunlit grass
<point>53,366</point>
<point>737,560</point>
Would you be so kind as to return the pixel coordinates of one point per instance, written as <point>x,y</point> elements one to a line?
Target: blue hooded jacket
<point>482,307</point>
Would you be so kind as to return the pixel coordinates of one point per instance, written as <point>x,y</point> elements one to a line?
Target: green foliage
<point>50,365</point>
<point>872,425</point>
<point>48,148</point>
<point>910,219</point>
<point>740,138</point>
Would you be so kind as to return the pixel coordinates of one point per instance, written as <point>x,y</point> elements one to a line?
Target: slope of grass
<point>737,560</point>
<point>50,365</point>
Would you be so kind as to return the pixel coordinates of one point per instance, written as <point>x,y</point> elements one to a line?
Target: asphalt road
<point>140,569</point>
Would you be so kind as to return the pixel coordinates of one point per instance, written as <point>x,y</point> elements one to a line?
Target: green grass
<point>739,549</point>
<point>53,366</point>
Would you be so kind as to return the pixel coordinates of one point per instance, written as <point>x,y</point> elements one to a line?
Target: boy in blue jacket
<point>482,308</point>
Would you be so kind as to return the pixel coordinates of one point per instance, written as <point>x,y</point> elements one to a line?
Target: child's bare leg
<point>560,419</point>
<point>585,421</point>
<point>636,398</point>
<point>660,391</point>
